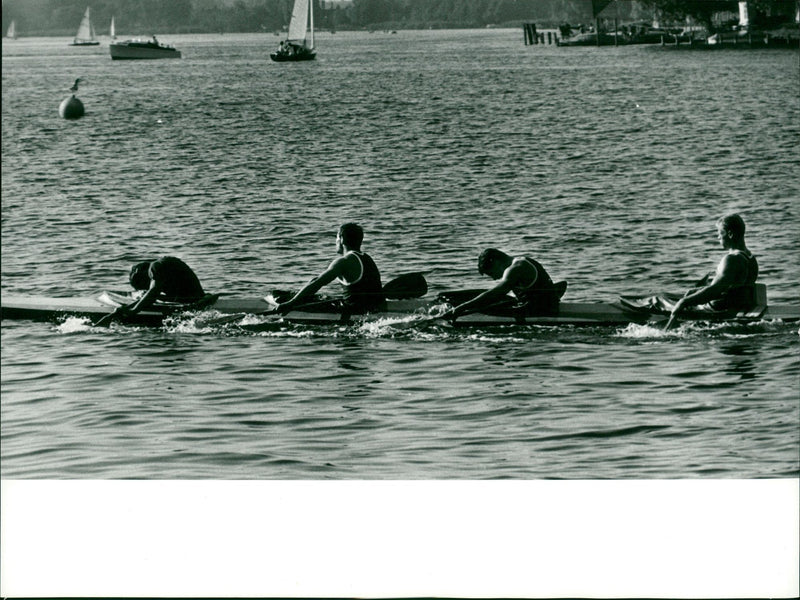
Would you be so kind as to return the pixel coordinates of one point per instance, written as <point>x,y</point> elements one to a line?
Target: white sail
<point>299,23</point>
<point>85,30</point>
<point>111,31</point>
<point>12,30</point>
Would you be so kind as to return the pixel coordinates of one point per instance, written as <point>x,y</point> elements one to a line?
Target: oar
<point>206,300</point>
<point>410,285</point>
<point>670,322</point>
<point>559,288</point>
<point>673,318</point>
<point>105,320</point>
<point>449,320</point>
<point>700,283</point>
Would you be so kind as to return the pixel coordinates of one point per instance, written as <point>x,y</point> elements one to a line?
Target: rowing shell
<point>42,308</point>
<point>570,313</point>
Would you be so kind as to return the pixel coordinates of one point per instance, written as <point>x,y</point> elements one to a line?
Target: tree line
<point>144,17</point>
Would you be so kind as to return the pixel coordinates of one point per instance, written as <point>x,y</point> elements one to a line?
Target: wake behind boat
<point>137,49</point>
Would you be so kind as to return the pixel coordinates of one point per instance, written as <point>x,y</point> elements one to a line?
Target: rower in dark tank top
<point>364,294</point>
<point>733,284</point>
<point>354,269</point>
<point>166,279</point>
<point>525,277</point>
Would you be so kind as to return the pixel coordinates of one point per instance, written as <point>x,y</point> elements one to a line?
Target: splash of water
<point>289,333</point>
<point>74,325</point>
<point>646,331</point>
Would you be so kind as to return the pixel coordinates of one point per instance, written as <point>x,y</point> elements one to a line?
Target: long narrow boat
<point>569,313</point>
<point>416,309</point>
<point>43,308</point>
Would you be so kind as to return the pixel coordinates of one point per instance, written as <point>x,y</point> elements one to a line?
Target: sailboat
<point>85,35</point>
<point>112,33</point>
<point>299,45</point>
<point>12,31</point>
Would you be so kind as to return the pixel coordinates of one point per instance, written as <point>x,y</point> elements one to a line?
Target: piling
<point>532,36</point>
<point>529,31</point>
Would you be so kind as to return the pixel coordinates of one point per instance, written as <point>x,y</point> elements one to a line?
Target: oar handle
<point>670,322</point>
<point>673,317</point>
<point>106,320</point>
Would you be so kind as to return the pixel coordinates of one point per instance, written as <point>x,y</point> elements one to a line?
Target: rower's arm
<point>702,281</point>
<point>727,275</point>
<point>483,300</point>
<point>333,271</point>
<point>145,301</point>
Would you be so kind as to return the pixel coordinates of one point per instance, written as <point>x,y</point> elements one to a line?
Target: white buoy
<point>71,108</point>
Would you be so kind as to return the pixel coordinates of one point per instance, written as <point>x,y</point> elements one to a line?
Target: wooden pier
<point>533,37</point>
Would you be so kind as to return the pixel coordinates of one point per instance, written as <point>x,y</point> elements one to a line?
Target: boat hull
<point>39,308</point>
<point>277,57</point>
<point>85,44</point>
<point>42,308</point>
<point>124,51</point>
<point>590,39</point>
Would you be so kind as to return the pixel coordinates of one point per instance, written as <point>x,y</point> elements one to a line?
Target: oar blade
<point>410,285</point>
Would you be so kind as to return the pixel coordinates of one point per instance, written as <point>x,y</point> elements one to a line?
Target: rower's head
<point>730,230</point>
<point>493,262</point>
<point>140,276</point>
<point>350,236</point>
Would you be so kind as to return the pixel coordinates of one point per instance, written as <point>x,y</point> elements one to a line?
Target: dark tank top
<point>365,294</point>
<point>178,281</point>
<point>539,295</point>
<point>742,295</point>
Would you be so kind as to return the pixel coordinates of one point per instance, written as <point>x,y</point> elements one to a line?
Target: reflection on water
<point>741,359</point>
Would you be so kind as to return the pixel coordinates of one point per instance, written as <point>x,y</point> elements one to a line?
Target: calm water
<point>608,165</point>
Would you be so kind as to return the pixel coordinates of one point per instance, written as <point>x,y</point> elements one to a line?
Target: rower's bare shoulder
<point>348,266</point>
<point>735,260</point>
<point>732,265</point>
<point>521,268</point>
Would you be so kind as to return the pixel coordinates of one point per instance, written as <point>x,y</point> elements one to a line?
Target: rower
<point>168,279</point>
<point>354,269</point>
<point>535,292</point>
<point>733,287</point>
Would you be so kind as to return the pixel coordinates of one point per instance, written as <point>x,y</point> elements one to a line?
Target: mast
<point>311,11</point>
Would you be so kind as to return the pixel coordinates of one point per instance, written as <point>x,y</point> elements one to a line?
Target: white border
<point>674,539</point>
